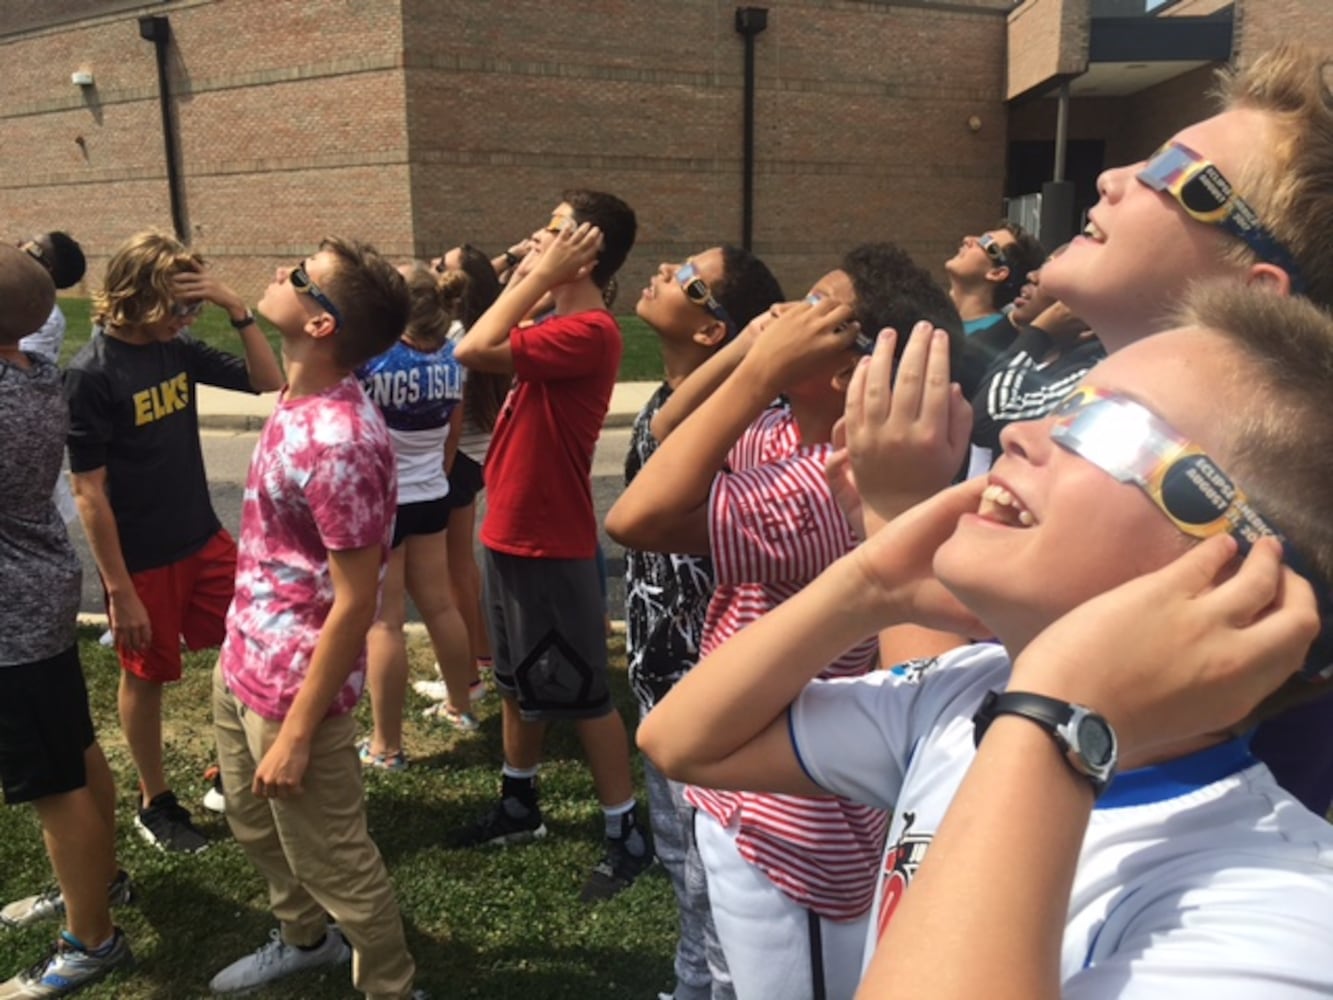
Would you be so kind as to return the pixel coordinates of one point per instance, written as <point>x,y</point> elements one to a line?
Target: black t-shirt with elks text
<point>132,412</point>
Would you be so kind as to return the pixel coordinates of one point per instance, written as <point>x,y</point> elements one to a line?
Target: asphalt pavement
<point>230,424</point>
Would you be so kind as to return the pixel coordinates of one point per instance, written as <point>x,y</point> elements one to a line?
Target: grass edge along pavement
<point>640,362</point>
<point>498,924</point>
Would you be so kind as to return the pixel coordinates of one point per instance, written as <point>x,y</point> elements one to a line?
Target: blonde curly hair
<point>137,288</point>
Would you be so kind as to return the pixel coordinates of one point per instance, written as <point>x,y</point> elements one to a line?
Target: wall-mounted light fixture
<point>81,78</point>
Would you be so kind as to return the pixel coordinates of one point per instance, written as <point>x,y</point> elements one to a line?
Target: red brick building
<point>416,124</point>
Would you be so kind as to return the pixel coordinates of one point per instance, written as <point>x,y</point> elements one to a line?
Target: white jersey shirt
<point>1200,877</point>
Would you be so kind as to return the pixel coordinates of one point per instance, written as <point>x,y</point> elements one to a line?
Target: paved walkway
<point>220,409</point>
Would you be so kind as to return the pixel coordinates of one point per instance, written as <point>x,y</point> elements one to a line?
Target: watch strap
<point>1049,713</point>
<point>1058,719</point>
<point>243,322</point>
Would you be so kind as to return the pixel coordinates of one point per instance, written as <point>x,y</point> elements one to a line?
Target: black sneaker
<point>501,829</point>
<point>165,824</point>
<point>616,871</point>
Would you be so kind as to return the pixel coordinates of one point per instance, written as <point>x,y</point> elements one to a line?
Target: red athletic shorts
<point>185,600</point>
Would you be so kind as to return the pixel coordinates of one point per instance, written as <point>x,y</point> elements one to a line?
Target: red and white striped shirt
<point>774,527</point>
<point>772,437</point>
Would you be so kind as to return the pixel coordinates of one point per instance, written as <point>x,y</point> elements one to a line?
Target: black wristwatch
<point>243,322</point>
<point>1084,737</point>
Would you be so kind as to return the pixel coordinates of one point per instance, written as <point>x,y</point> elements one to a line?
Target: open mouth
<point>1002,507</point>
<point>1093,232</point>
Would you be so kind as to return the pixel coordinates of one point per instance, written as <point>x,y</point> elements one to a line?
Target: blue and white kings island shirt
<point>417,392</point>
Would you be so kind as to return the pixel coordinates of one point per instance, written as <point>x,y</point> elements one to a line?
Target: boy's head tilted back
<point>1023,255</point>
<point>892,290</point>
<point>617,222</point>
<point>1146,239</point>
<point>137,290</point>
<point>27,295</point>
<point>371,296</point>
<point>1246,381</point>
<point>61,255</point>
<point>708,298</point>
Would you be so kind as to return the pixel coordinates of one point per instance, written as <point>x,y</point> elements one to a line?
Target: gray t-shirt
<point>40,575</point>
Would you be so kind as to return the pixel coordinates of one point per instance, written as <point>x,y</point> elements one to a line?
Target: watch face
<point>1094,740</point>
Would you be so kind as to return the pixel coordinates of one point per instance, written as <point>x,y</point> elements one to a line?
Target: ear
<point>1270,277</point>
<point>843,378</point>
<point>999,275</point>
<point>710,334</point>
<point>320,326</point>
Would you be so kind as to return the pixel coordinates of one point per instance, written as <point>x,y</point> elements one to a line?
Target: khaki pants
<point>314,849</point>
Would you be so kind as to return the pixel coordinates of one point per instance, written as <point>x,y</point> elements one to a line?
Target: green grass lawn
<point>641,362</point>
<point>492,924</point>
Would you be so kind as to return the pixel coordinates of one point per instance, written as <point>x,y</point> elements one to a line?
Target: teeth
<point>1092,232</point>
<point>999,504</point>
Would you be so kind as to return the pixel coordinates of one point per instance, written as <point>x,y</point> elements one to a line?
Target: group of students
<point>1094,595</point>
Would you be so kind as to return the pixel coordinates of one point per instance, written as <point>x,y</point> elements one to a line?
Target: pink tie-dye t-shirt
<point>322,478</point>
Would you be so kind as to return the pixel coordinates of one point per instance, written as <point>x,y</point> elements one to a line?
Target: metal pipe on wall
<point>750,21</point>
<point>156,28</point>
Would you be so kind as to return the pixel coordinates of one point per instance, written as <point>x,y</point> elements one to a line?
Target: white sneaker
<point>434,690</point>
<point>215,801</point>
<point>277,960</point>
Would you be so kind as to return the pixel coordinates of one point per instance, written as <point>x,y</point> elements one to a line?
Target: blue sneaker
<point>68,967</point>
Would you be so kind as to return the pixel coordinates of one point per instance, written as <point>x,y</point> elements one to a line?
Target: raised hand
<point>897,563</point>
<point>907,433</point>
<point>570,255</point>
<point>798,335</point>
<point>201,286</point>
<point>1184,652</point>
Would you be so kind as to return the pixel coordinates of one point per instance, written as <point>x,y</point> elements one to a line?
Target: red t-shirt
<point>538,491</point>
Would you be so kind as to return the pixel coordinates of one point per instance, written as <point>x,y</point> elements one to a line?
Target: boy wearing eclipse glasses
<point>166,563</point>
<point>789,880</point>
<point>1242,196</point>
<point>316,528</point>
<point>1074,810</point>
<point>694,308</point>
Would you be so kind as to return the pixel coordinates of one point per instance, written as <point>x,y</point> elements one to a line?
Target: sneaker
<point>382,761</point>
<point>215,800</point>
<point>501,829</point>
<point>50,904</point>
<point>464,722</point>
<point>277,960</point>
<point>616,871</point>
<point>439,691</point>
<point>166,824</point>
<point>68,967</point>
<point>434,690</point>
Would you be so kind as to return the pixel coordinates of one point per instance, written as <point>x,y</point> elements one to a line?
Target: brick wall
<point>417,123</point>
<point>1047,39</point>
<point>280,140</point>
<point>1261,24</point>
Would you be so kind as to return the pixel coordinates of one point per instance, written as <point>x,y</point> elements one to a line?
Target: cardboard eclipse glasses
<point>1133,445</point>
